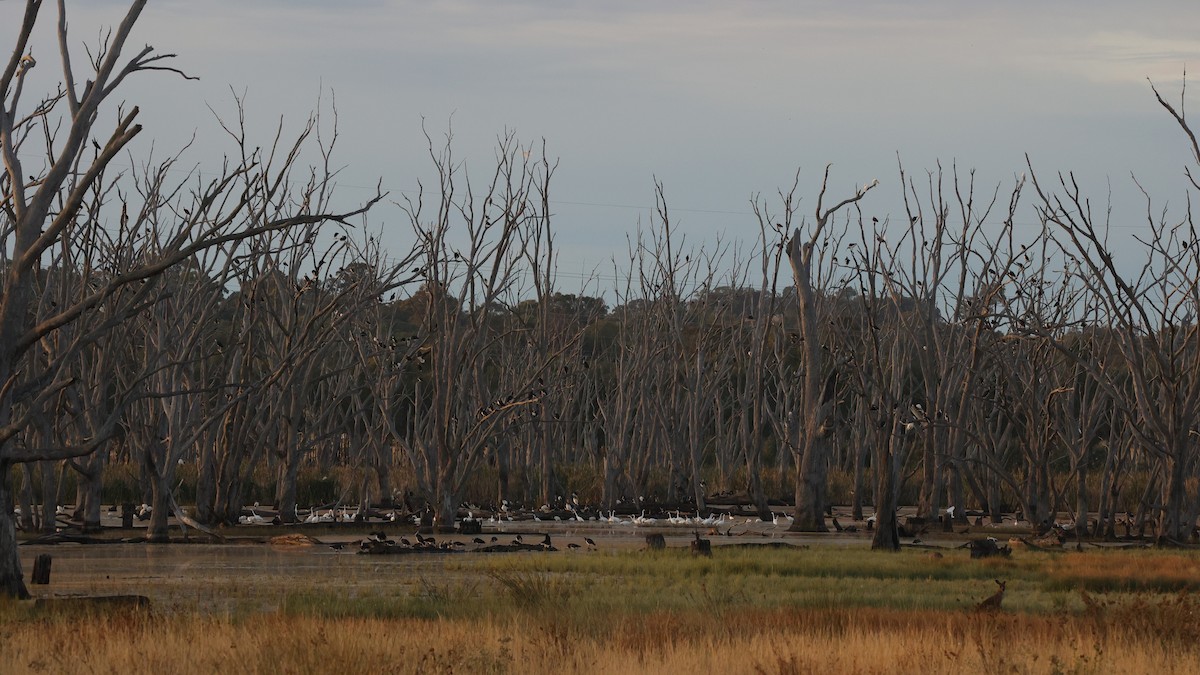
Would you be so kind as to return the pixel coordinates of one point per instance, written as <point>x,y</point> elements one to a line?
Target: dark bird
<point>572,546</point>
<point>477,540</point>
<point>590,542</point>
<point>337,546</point>
<point>546,542</point>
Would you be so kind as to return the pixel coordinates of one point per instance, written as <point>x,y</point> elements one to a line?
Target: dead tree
<point>446,404</point>
<point>1152,315</point>
<point>811,416</point>
<point>42,214</point>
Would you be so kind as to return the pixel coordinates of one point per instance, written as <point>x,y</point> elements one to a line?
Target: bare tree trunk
<point>12,583</point>
<point>811,472</point>
<point>289,473</point>
<point>155,462</point>
<point>49,496</point>
<point>28,519</point>
<point>90,481</point>
<point>817,395</point>
<point>206,488</point>
<point>383,473</point>
<point>995,500</point>
<point>887,530</point>
<point>860,452</point>
<point>158,531</point>
<point>447,510</point>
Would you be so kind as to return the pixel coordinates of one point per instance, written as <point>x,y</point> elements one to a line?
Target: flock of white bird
<point>350,515</point>
<point>673,518</point>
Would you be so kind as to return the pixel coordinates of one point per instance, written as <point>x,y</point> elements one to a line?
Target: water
<point>259,577</point>
<point>224,578</point>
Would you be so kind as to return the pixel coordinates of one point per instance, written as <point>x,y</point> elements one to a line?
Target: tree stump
<point>701,547</point>
<point>986,548</point>
<point>656,542</point>
<point>913,526</point>
<point>41,569</point>
<point>127,516</point>
<point>472,526</point>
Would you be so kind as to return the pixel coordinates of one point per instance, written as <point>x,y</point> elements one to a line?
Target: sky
<point>718,100</point>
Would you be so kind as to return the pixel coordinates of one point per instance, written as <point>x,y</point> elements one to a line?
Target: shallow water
<point>219,578</point>
<point>255,576</point>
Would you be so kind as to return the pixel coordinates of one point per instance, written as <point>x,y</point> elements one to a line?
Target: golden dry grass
<point>779,641</point>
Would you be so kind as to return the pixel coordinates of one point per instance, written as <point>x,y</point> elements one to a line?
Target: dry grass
<point>739,612</point>
<point>1130,571</point>
<point>749,641</point>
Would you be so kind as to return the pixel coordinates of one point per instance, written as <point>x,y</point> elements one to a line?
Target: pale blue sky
<point>719,100</point>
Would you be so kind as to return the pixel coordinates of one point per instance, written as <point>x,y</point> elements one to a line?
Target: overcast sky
<point>718,100</point>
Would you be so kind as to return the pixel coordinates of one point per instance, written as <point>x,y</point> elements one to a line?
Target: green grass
<point>633,582</point>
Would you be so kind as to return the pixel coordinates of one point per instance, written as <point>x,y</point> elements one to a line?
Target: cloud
<point>1128,56</point>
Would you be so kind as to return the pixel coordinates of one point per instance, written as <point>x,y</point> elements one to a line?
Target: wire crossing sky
<point>720,101</point>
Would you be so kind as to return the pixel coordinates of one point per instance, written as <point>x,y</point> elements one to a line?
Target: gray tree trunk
<point>12,583</point>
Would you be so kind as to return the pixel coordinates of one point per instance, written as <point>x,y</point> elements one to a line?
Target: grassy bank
<point>743,611</point>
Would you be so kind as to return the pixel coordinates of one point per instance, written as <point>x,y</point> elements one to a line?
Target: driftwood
<point>294,540</point>
<point>765,544</point>
<point>513,548</point>
<point>656,542</point>
<point>370,547</point>
<point>986,548</point>
<point>65,538</point>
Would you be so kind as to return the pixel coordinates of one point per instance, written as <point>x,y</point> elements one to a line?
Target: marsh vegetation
<point>823,609</point>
